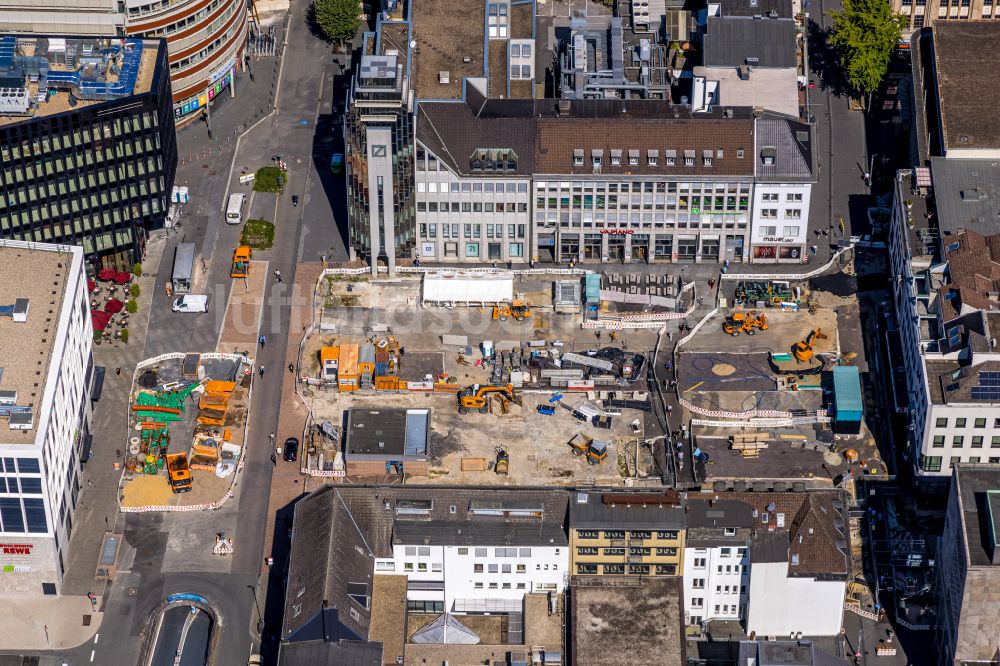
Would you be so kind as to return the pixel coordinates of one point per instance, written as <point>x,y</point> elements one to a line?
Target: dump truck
<point>477,395</point>
<point>744,322</point>
<point>241,262</point>
<point>504,311</point>
<point>178,472</point>
<point>594,450</point>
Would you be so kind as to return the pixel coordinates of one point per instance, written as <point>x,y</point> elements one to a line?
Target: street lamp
<point>260,620</point>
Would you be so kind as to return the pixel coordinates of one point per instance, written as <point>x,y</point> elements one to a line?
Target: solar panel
<point>989,382</point>
<point>989,374</point>
<point>985,393</point>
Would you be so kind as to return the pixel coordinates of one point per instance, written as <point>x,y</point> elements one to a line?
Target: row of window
<point>958,441</point>
<point>49,208</point>
<point>27,485</point>
<point>84,223</point>
<point>430,230</point>
<point>197,17</point>
<point>640,569</point>
<point>725,609</point>
<point>80,180</point>
<point>471,207</point>
<point>647,186</point>
<point>652,157</point>
<point>54,164</point>
<point>632,550</point>
<point>23,465</point>
<point>772,213</point>
<point>702,563</point>
<point>514,250</point>
<point>207,51</point>
<point>774,197</point>
<point>962,423</point>
<point>933,463</point>
<point>666,535</point>
<point>787,231</point>
<point>643,220</point>
<point>673,202</point>
<point>26,515</point>
<point>488,187</point>
<point>85,136</point>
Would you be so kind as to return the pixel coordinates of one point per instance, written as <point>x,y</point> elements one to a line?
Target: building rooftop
<point>33,285</point>
<point>767,42</point>
<point>785,653</point>
<point>619,620</point>
<point>967,195</point>
<point>954,382</point>
<point>448,43</point>
<point>779,8</point>
<point>627,511</point>
<point>43,76</point>
<point>978,489</point>
<point>387,432</point>
<point>310,653</point>
<point>792,145</point>
<point>774,89</point>
<point>968,83</point>
<point>806,529</point>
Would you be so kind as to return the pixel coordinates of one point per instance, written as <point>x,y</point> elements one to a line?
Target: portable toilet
<point>347,367</point>
<point>329,358</point>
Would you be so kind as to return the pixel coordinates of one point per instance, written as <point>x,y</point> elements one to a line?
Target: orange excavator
<point>477,397</point>
<point>803,349</point>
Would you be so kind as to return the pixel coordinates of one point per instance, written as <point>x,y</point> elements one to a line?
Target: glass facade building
<point>84,164</point>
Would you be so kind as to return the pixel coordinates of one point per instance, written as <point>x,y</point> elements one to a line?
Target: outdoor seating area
<point>109,294</point>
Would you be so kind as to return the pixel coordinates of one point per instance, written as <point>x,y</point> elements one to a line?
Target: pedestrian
<point>262,340</point>
<point>271,437</point>
<point>670,336</point>
<point>118,453</point>
<point>274,458</point>
<point>670,408</point>
<point>260,371</point>
<point>118,371</point>
<point>510,264</point>
<point>291,368</point>
<point>598,334</point>
<point>277,275</point>
<point>670,366</point>
<point>90,483</point>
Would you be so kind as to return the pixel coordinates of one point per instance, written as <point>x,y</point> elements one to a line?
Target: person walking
<point>291,368</point>
<point>262,340</point>
<point>118,371</point>
<point>277,275</point>
<point>260,371</point>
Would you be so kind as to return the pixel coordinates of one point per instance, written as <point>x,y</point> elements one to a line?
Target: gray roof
<point>387,432</point>
<point>730,42</point>
<point>783,8</point>
<point>793,144</point>
<point>320,653</point>
<point>769,547</point>
<point>967,195</point>
<point>599,511</point>
<point>973,483</point>
<point>718,513</point>
<point>785,653</point>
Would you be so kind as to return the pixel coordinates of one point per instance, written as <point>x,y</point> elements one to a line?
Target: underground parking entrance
<point>181,631</point>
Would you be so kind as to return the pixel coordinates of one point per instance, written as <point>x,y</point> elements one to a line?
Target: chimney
<point>563,107</point>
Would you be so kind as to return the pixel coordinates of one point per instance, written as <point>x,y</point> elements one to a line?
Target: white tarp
<point>468,287</point>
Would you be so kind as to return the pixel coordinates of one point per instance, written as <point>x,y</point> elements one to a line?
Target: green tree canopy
<point>865,34</point>
<point>338,19</point>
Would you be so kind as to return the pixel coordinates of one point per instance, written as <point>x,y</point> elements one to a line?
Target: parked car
<point>291,452</point>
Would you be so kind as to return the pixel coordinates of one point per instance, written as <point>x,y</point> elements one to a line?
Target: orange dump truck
<point>178,472</point>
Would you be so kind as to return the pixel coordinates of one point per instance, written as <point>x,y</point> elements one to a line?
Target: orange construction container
<point>347,367</point>
<point>329,359</point>
<point>387,383</point>
<point>216,387</point>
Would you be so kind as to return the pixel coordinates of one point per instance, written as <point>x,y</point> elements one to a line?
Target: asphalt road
<point>170,553</point>
<point>183,634</point>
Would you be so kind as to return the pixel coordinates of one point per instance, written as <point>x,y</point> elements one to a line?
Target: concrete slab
<point>47,623</point>
<point>241,327</point>
<point>785,329</point>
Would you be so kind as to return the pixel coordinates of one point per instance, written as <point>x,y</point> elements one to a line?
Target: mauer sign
<point>16,548</point>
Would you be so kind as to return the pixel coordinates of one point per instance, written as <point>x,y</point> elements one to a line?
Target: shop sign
<point>617,232</point>
<point>789,252</point>
<point>777,239</point>
<point>764,252</point>
<point>427,249</point>
<point>16,548</point>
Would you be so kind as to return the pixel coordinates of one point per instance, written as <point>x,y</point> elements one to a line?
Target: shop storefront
<point>616,247</point>
<point>592,247</point>
<point>569,247</point>
<point>640,247</point>
<point>663,248</point>
<point>687,249</point>
<point>220,80</point>
<point>778,253</point>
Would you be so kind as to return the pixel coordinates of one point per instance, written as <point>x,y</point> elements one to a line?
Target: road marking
<point>694,387</point>
<point>92,655</point>
<point>96,636</point>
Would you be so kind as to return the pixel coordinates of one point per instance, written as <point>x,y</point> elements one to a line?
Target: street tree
<point>865,34</point>
<point>338,19</point>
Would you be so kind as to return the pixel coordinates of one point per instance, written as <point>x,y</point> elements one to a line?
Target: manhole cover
<point>133,591</point>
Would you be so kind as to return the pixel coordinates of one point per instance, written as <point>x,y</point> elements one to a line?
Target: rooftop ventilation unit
<point>8,397</point>
<point>18,312</point>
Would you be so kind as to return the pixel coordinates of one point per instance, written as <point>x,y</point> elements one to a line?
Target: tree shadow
<point>824,62</point>
<point>313,25</point>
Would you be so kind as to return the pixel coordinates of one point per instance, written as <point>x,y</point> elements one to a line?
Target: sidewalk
<point>97,509</point>
<point>47,623</point>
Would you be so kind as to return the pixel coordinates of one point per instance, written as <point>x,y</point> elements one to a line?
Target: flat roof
<point>775,89</point>
<point>387,432</point>
<point>446,35</point>
<point>631,511</point>
<point>627,621</point>
<point>966,195</point>
<point>977,488</point>
<point>968,83</point>
<point>41,276</point>
<point>66,73</point>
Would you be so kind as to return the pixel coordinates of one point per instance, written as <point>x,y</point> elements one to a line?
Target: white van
<point>234,211</point>
<point>190,303</point>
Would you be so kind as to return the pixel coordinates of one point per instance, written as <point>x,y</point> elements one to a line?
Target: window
<point>697,602</point>
<point>725,552</point>
<point>977,441</point>
<point>995,442</point>
<point>980,423</point>
<point>959,423</point>
<point>480,552</point>
<point>586,534</point>
<point>700,563</point>
<point>769,214</point>
<point>385,566</point>
<point>493,568</point>
<point>505,568</point>
<point>478,586</point>
<point>930,463</point>
<point>698,583</point>
<point>793,213</point>
<point>493,586</point>
<point>958,441</point>
<point>943,423</point>
<point>791,231</point>
<point>770,196</point>
<point>422,566</point>
<point>794,196</point>
<point>938,442</point>
<point>668,535</point>
<point>974,459</point>
<point>718,569</point>
<point>408,566</point>
<point>463,551</point>
<point>477,568</point>
<point>729,531</point>
<point>521,568</point>
<point>954,460</point>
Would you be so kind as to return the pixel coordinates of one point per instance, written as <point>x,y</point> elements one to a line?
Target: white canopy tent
<point>468,287</point>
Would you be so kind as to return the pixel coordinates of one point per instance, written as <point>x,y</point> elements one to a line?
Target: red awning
<point>91,285</point>
<point>107,274</point>
<point>113,306</point>
<point>100,319</point>
<point>123,277</point>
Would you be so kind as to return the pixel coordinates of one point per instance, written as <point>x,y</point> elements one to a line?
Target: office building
<point>44,409</point>
<point>87,141</point>
<point>457,151</point>
<point>967,588</point>
<point>206,40</point>
<point>943,248</point>
<point>922,14</point>
<point>626,534</point>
